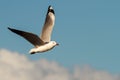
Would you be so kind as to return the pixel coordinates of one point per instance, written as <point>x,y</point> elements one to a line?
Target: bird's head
<point>54,43</point>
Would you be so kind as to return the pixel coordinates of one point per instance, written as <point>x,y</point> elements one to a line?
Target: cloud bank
<point>15,66</point>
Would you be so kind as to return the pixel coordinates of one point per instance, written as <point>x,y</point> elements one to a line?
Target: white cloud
<point>15,66</point>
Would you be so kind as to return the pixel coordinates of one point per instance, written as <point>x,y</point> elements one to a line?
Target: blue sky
<point>87,30</point>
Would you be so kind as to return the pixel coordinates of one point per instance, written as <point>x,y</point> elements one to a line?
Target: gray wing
<point>32,38</point>
<point>48,25</point>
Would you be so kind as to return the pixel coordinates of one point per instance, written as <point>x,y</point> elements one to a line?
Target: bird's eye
<point>53,42</point>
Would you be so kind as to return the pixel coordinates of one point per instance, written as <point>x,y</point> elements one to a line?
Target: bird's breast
<point>44,48</point>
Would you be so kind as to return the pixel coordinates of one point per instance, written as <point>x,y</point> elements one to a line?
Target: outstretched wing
<point>32,38</point>
<point>48,25</point>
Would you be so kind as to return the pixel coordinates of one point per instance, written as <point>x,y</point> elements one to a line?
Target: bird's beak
<point>57,44</point>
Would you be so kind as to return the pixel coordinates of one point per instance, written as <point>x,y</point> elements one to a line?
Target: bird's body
<point>42,43</point>
<point>43,48</point>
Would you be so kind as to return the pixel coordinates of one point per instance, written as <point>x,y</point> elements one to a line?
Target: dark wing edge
<point>32,38</point>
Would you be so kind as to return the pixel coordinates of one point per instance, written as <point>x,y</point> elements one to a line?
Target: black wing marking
<point>32,38</point>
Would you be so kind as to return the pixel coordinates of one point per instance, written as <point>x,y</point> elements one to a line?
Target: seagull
<point>42,43</point>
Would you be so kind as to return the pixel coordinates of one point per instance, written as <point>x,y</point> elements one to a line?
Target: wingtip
<point>50,9</point>
<point>9,28</point>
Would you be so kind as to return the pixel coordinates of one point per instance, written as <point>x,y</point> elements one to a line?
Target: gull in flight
<point>42,43</point>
